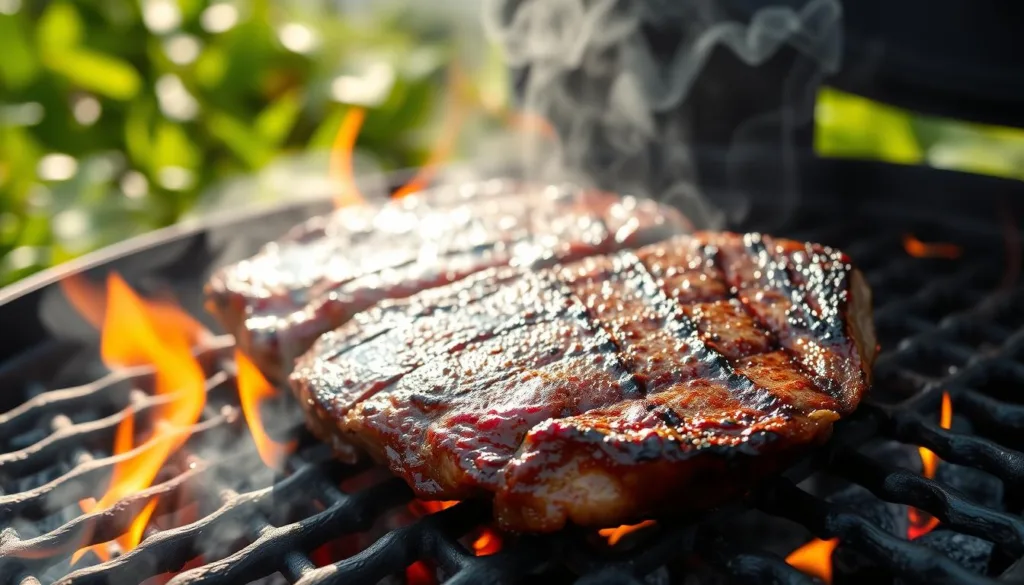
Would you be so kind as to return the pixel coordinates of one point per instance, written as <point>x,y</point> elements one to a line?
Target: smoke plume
<point>618,95</point>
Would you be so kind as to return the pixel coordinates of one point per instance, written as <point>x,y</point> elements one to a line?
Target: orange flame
<point>450,126</point>
<point>919,249</point>
<point>488,543</point>
<point>529,122</point>
<point>253,389</point>
<point>614,535</point>
<point>922,523</point>
<point>341,158</point>
<point>137,332</point>
<point>815,558</point>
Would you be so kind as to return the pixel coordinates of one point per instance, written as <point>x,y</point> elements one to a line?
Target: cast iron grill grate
<point>951,325</point>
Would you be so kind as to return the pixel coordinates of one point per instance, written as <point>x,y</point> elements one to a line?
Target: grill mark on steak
<point>816,303</point>
<point>542,415</point>
<point>586,318</point>
<point>685,328</point>
<point>327,270</point>
<point>714,254</point>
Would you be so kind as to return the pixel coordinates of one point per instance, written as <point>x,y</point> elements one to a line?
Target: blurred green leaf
<point>18,64</point>
<point>191,8</point>
<point>172,147</point>
<point>323,138</point>
<point>275,122</point>
<point>79,78</point>
<point>60,28</point>
<point>10,227</point>
<point>35,231</point>
<point>210,66</point>
<point>103,74</point>
<point>137,133</point>
<point>242,141</point>
<point>852,126</point>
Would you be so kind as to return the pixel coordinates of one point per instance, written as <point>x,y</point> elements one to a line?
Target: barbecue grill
<point>950,319</point>
<point>944,324</point>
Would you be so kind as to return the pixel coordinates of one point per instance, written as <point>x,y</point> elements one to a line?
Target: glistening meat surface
<point>314,279</point>
<point>604,390</point>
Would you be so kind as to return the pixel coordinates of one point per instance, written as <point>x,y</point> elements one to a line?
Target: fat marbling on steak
<point>603,390</point>
<point>330,268</point>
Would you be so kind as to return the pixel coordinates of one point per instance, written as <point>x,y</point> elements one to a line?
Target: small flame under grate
<point>948,324</point>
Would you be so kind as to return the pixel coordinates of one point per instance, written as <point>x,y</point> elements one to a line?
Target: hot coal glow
<point>815,558</point>
<point>922,523</point>
<point>136,332</point>
<point>919,249</point>
<point>488,543</point>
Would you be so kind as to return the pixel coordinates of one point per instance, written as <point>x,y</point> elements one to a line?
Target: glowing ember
<point>341,158</point>
<point>253,389</point>
<point>419,573</point>
<point>137,332</point>
<point>815,558</point>
<point>919,249</point>
<point>614,535</point>
<point>488,543</point>
<point>922,523</point>
<point>424,507</point>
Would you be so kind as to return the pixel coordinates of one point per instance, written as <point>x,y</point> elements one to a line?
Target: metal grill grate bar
<point>72,486</point>
<point>268,553</point>
<point>1000,461</point>
<point>400,548</point>
<point>914,562</point>
<point>953,508</point>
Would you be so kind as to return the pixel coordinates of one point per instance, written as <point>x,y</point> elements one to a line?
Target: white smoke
<point>620,106</point>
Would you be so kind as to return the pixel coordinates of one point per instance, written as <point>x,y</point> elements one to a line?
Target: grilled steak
<point>606,389</point>
<point>278,302</point>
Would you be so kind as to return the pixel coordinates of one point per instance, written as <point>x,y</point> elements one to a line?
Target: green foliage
<point>855,127</point>
<point>116,115</point>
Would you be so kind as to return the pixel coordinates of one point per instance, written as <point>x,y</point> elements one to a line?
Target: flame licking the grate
<point>815,558</point>
<point>423,507</point>
<point>614,535</point>
<point>919,249</point>
<point>455,111</point>
<point>460,96</point>
<point>341,159</point>
<point>253,389</point>
<point>922,523</point>
<point>139,332</point>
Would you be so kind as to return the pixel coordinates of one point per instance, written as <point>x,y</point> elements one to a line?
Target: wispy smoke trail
<point>619,105</point>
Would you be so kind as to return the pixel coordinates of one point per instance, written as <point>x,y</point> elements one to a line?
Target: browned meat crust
<point>604,390</point>
<point>278,302</point>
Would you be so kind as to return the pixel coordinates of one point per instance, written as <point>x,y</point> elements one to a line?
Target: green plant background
<point>121,116</point>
